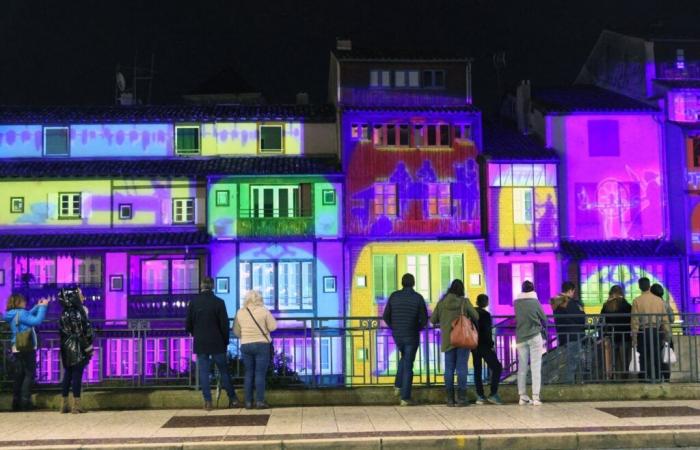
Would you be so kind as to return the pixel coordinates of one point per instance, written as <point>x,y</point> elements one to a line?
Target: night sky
<point>65,52</point>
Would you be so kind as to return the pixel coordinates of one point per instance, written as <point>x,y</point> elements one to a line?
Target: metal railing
<point>359,351</point>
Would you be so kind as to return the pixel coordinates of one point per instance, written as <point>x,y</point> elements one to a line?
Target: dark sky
<point>65,52</point>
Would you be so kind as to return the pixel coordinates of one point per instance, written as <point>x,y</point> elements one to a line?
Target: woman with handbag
<point>448,310</point>
<point>253,326</point>
<point>24,344</point>
<point>76,346</point>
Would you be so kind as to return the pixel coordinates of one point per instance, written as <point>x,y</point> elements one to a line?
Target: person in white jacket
<point>529,327</point>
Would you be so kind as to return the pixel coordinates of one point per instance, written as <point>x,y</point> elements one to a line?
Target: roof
<point>181,167</point>
<point>106,239</point>
<point>586,98</point>
<point>164,113</point>
<point>504,143</point>
<point>679,84</point>
<point>413,109</point>
<point>649,248</point>
<point>401,55</point>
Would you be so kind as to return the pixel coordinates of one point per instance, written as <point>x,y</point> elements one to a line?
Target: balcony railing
<point>359,351</point>
<point>152,306</point>
<point>275,222</point>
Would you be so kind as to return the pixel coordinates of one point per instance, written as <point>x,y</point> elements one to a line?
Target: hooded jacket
<point>446,311</point>
<point>569,319</point>
<point>529,317</point>
<point>76,332</point>
<point>27,320</point>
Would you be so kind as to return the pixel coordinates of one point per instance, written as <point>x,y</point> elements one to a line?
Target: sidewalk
<point>553,425</point>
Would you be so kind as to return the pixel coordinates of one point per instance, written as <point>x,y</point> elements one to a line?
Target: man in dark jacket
<point>485,353</point>
<point>406,314</point>
<point>570,323</point>
<point>207,322</point>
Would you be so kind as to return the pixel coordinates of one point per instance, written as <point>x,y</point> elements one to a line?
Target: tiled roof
<point>398,55</point>
<point>106,239</point>
<point>504,143</point>
<point>649,248</point>
<point>417,109</point>
<point>163,113</point>
<point>584,98</point>
<point>181,167</point>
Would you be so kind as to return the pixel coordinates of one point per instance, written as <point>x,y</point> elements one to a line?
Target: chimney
<point>522,106</point>
<point>343,44</point>
<point>302,98</point>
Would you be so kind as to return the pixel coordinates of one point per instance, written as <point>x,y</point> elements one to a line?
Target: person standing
<point>529,329</point>
<point>207,322</point>
<point>76,346</point>
<point>658,291</point>
<point>649,317</point>
<point>253,326</point>
<point>406,315</point>
<point>485,353</point>
<point>570,323</point>
<point>449,308</point>
<point>616,333</point>
<point>23,355</point>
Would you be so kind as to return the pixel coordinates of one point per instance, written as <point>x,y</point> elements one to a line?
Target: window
<point>437,135</point>
<point>406,78</point>
<point>522,175</point>
<point>222,198</point>
<point>400,78</point>
<point>329,284</point>
<point>293,279</point>
<point>360,131</point>
<point>463,131</point>
<point>378,135</point>
<point>391,135</point>
<point>185,275</point>
<point>521,272</point>
<point>271,139</point>
<point>433,78</point>
<point>165,276</point>
<point>183,210</point>
<point>404,135</point>
<point>125,211</point>
<point>603,138</point>
<point>328,196</point>
<point>695,162</point>
<point>439,204</point>
<point>384,276</point>
<point>116,283</point>
<point>61,269</point>
<point>222,285</point>
<point>69,205</point>
<point>380,78</point>
<point>419,267</point>
<point>186,139</point>
<point>87,270</point>
<point>281,201</point>
<point>522,206</point>
<point>418,135</point>
<point>432,135</point>
<point>680,59</point>
<point>155,277</point>
<point>56,141</point>
<point>385,199</point>
<point>451,268</point>
<point>17,205</point>
<point>413,78</point>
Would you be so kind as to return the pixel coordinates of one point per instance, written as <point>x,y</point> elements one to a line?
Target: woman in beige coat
<point>253,326</point>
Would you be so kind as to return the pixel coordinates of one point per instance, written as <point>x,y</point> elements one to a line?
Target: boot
<point>208,406</point>
<point>77,407</point>
<point>65,406</point>
<point>450,397</point>
<point>462,397</point>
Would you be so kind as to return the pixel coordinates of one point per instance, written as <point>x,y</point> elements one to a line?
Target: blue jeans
<point>404,370</point>
<point>456,360</point>
<point>256,359</point>
<point>204,363</point>
<point>573,361</point>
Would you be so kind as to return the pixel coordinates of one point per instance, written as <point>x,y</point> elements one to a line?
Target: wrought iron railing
<point>359,351</point>
<point>275,222</point>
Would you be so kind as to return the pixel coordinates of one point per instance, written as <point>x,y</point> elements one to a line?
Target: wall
<point>105,140</point>
<point>115,300</point>
<point>615,195</point>
<point>20,141</point>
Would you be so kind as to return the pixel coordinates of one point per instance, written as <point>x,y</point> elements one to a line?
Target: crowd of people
<point>637,330</point>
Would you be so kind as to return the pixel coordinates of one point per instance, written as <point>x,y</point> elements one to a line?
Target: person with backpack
<point>449,308</point>
<point>485,353</point>
<point>530,328</point>
<point>24,344</point>
<point>570,323</point>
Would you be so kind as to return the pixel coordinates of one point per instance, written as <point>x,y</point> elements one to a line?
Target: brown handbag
<point>464,333</point>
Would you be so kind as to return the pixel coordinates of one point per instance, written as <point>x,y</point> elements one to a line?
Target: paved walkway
<point>553,425</point>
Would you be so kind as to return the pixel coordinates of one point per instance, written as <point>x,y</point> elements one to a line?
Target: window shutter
<point>505,284</point>
<point>166,211</point>
<point>542,282</point>
<point>52,206</point>
<point>305,199</point>
<point>86,205</point>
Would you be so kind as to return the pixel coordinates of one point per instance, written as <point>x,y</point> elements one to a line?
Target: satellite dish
<point>121,82</point>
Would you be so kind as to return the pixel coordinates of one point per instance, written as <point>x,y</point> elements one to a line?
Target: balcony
<point>153,306</point>
<point>275,223</point>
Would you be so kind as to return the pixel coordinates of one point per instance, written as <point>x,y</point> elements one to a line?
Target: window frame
<point>328,202</point>
<point>523,219</point>
<point>420,262</point>
<point>20,208</point>
<point>44,140</point>
<point>380,73</point>
<point>294,193</point>
<point>222,202</point>
<point>130,207</point>
<point>433,79</point>
<point>385,205</point>
<point>386,290</point>
<point>276,282</point>
<point>175,209</point>
<point>270,151</point>
<point>188,152</point>
<point>73,215</point>
<point>439,202</point>
<point>169,261</point>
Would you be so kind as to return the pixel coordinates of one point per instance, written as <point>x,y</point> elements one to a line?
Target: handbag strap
<point>258,325</point>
